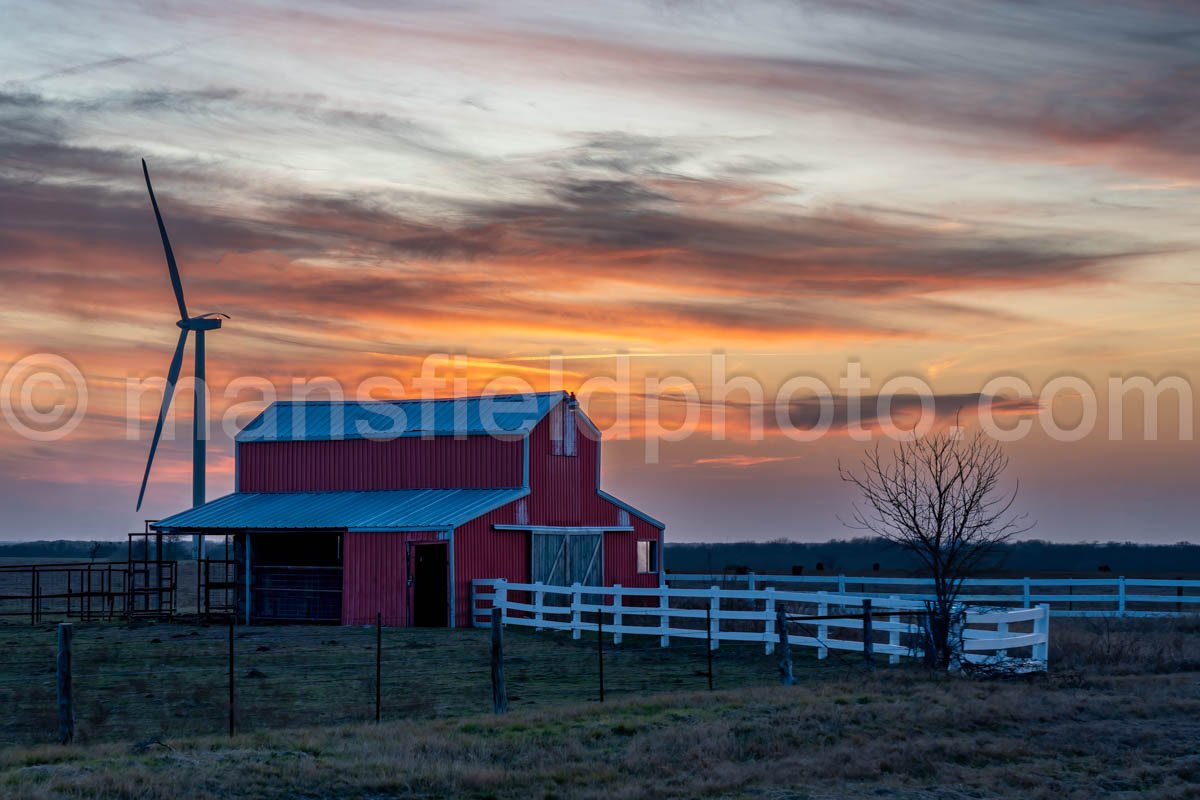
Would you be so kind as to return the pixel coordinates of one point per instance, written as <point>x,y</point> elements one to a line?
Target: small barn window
<point>647,557</point>
<point>563,439</point>
<point>570,440</point>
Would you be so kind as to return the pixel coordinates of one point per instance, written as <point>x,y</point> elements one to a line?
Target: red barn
<point>345,509</point>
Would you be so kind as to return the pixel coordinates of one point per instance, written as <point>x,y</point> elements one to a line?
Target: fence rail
<point>1067,597</point>
<point>749,615</point>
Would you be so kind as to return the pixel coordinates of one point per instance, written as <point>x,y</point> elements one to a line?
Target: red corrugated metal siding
<point>374,576</point>
<point>620,555</point>
<point>482,552</point>
<point>559,483</point>
<point>444,462</point>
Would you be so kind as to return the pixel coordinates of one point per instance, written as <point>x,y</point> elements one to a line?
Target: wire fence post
<point>868,633</point>
<point>499,693</point>
<point>66,705</point>
<point>232,703</point>
<point>709,644</point>
<point>786,676</point>
<point>600,649</point>
<point>378,666</point>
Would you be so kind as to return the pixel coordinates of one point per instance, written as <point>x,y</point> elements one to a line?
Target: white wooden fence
<point>749,615</point>
<point>1067,597</point>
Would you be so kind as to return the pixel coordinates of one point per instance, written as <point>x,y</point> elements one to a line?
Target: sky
<point>948,192</point>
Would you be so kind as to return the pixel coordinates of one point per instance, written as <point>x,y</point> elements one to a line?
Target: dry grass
<point>1089,729</point>
<point>895,734</point>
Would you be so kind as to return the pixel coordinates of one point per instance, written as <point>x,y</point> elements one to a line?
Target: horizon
<point>752,220</point>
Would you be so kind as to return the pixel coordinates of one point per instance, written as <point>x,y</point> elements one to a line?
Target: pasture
<point>1117,716</point>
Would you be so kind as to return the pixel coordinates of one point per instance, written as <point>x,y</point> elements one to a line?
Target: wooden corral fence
<point>719,614</point>
<point>1067,597</point>
<point>88,590</point>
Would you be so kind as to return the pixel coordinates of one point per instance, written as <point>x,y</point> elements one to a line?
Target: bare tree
<point>940,498</point>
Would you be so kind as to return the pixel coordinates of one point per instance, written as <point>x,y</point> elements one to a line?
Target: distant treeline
<point>97,550</point>
<point>845,556</point>
<point>864,556</point>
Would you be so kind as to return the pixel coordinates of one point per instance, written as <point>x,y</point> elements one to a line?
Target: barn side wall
<point>480,551</point>
<point>443,462</point>
<point>375,577</point>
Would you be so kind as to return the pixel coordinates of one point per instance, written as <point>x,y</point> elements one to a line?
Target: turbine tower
<point>186,324</point>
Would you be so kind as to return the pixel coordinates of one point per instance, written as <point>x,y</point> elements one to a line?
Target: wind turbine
<point>198,325</point>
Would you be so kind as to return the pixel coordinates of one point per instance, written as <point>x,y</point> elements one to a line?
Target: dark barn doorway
<point>295,576</point>
<point>430,585</point>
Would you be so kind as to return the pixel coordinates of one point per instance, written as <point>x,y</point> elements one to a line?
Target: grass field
<point>1118,716</point>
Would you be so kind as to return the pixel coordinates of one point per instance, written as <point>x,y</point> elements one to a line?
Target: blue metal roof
<point>405,509</point>
<point>497,415</point>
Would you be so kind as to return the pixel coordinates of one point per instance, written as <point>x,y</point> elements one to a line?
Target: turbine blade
<point>176,284</point>
<point>168,391</point>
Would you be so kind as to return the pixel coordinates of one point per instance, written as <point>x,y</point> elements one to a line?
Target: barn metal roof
<point>308,420</point>
<point>404,509</point>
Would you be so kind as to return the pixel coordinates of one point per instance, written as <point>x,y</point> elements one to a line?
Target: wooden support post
<point>600,649</point>
<point>66,705</point>
<point>378,666</point>
<point>499,694</point>
<point>232,704</point>
<point>1121,595</point>
<point>786,677</point>
<point>708,650</point>
<point>868,634</point>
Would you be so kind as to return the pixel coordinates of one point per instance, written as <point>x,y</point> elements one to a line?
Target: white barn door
<point>560,559</point>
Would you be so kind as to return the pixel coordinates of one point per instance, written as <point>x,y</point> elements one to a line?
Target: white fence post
<point>1002,630</point>
<point>822,630</point>
<point>769,621</point>
<point>500,598</point>
<point>894,636</point>
<point>1041,652</point>
<point>714,605</point>
<point>750,584</point>
<point>1121,595</point>
<point>1025,599</point>
<point>664,616</point>
<point>841,584</point>
<point>616,612</point>
<point>576,612</point>
<point>539,600</point>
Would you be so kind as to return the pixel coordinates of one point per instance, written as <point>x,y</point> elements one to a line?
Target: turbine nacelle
<point>204,322</point>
